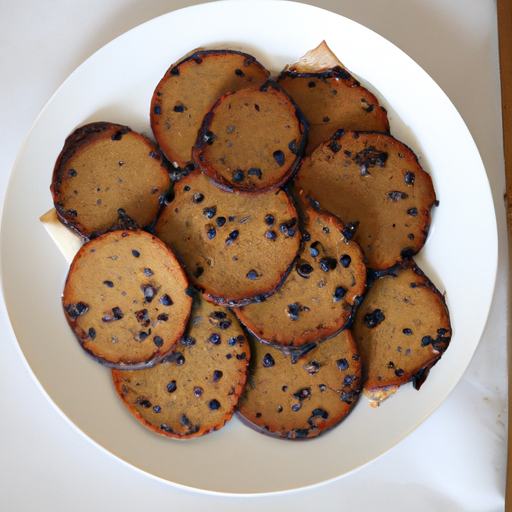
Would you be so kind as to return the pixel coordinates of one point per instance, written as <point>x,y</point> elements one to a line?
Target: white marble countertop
<point>454,461</point>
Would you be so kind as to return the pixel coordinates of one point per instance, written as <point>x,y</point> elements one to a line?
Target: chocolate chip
<point>304,269</point>
<point>214,404</point>
<point>312,367</point>
<point>232,237</point>
<point>238,176</point>
<point>345,260</point>
<point>426,340</point>
<point>149,292</point>
<point>334,146</point>
<point>214,338</point>
<point>76,310</point>
<point>287,228</point>
<point>252,274</point>
<point>279,157</point>
<point>171,386</point>
<point>339,294</point>
<point>210,211</point>
<point>166,300</point>
<point>342,364</point>
<point>188,341</point>
<point>302,394</point>
<point>254,172</point>
<point>374,318</point>
<point>293,311</point>
<point>268,361</point>
<point>409,178</point>
<point>396,195</point>
<point>328,263</point>
<point>209,138</point>
<point>198,198</point>
<point>143,317</point>
<point>210,231</point>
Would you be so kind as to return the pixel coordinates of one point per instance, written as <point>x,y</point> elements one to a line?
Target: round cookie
<point>401,328</point>
<point>318,297</point>
<point>376,185</point>
<point>330,97</point>
<point>104,168</point>
<point>252,139</point>
<point>195,390</point>
<point>125,299</point>
<point>188,90</point>
<point>235,247</point>
<point>302,399</point>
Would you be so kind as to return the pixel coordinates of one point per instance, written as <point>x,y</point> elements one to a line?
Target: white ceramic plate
<point>116,84</point>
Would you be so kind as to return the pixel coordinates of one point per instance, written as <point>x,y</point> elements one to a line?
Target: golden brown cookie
<point>188,90</point>
<point>376,185</point>
<point>318,297</point>
<point>104,168</point>
<point>235,247</point>
<point>330,97</point>
<point>195,390</point>
<point>402,328</point>
<point>251,140</point>
<point>302,399</point>
<point>125,299</point>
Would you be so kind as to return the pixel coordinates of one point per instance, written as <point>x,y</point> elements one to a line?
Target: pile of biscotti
<point>256,254</point>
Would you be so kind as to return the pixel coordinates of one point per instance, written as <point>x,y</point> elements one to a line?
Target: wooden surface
<point>505,49</point>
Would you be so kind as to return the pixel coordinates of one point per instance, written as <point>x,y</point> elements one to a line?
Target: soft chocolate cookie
<point>330,97</point>
<point>402,328</point>
<point>252,139</point>
<point>302,399</point>
<point>318,297</point>
<point>235,247</point>
<point>104,168</point>
<point>195,390</point>
<point>376,185</point>
<point>188,90</point>
<point>125,299</point>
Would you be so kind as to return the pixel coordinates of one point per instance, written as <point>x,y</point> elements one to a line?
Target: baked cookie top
<point>375,184</point>
<point>401,328</point>
<point>318,296</point>
<point>187,91</point>
<point>104,168</point>
<point>195,390</point>
<point>252,139</point>
<point>125,299</point>
<point>330,97</point>
<point>301,399</point>
<point>235,247</point>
